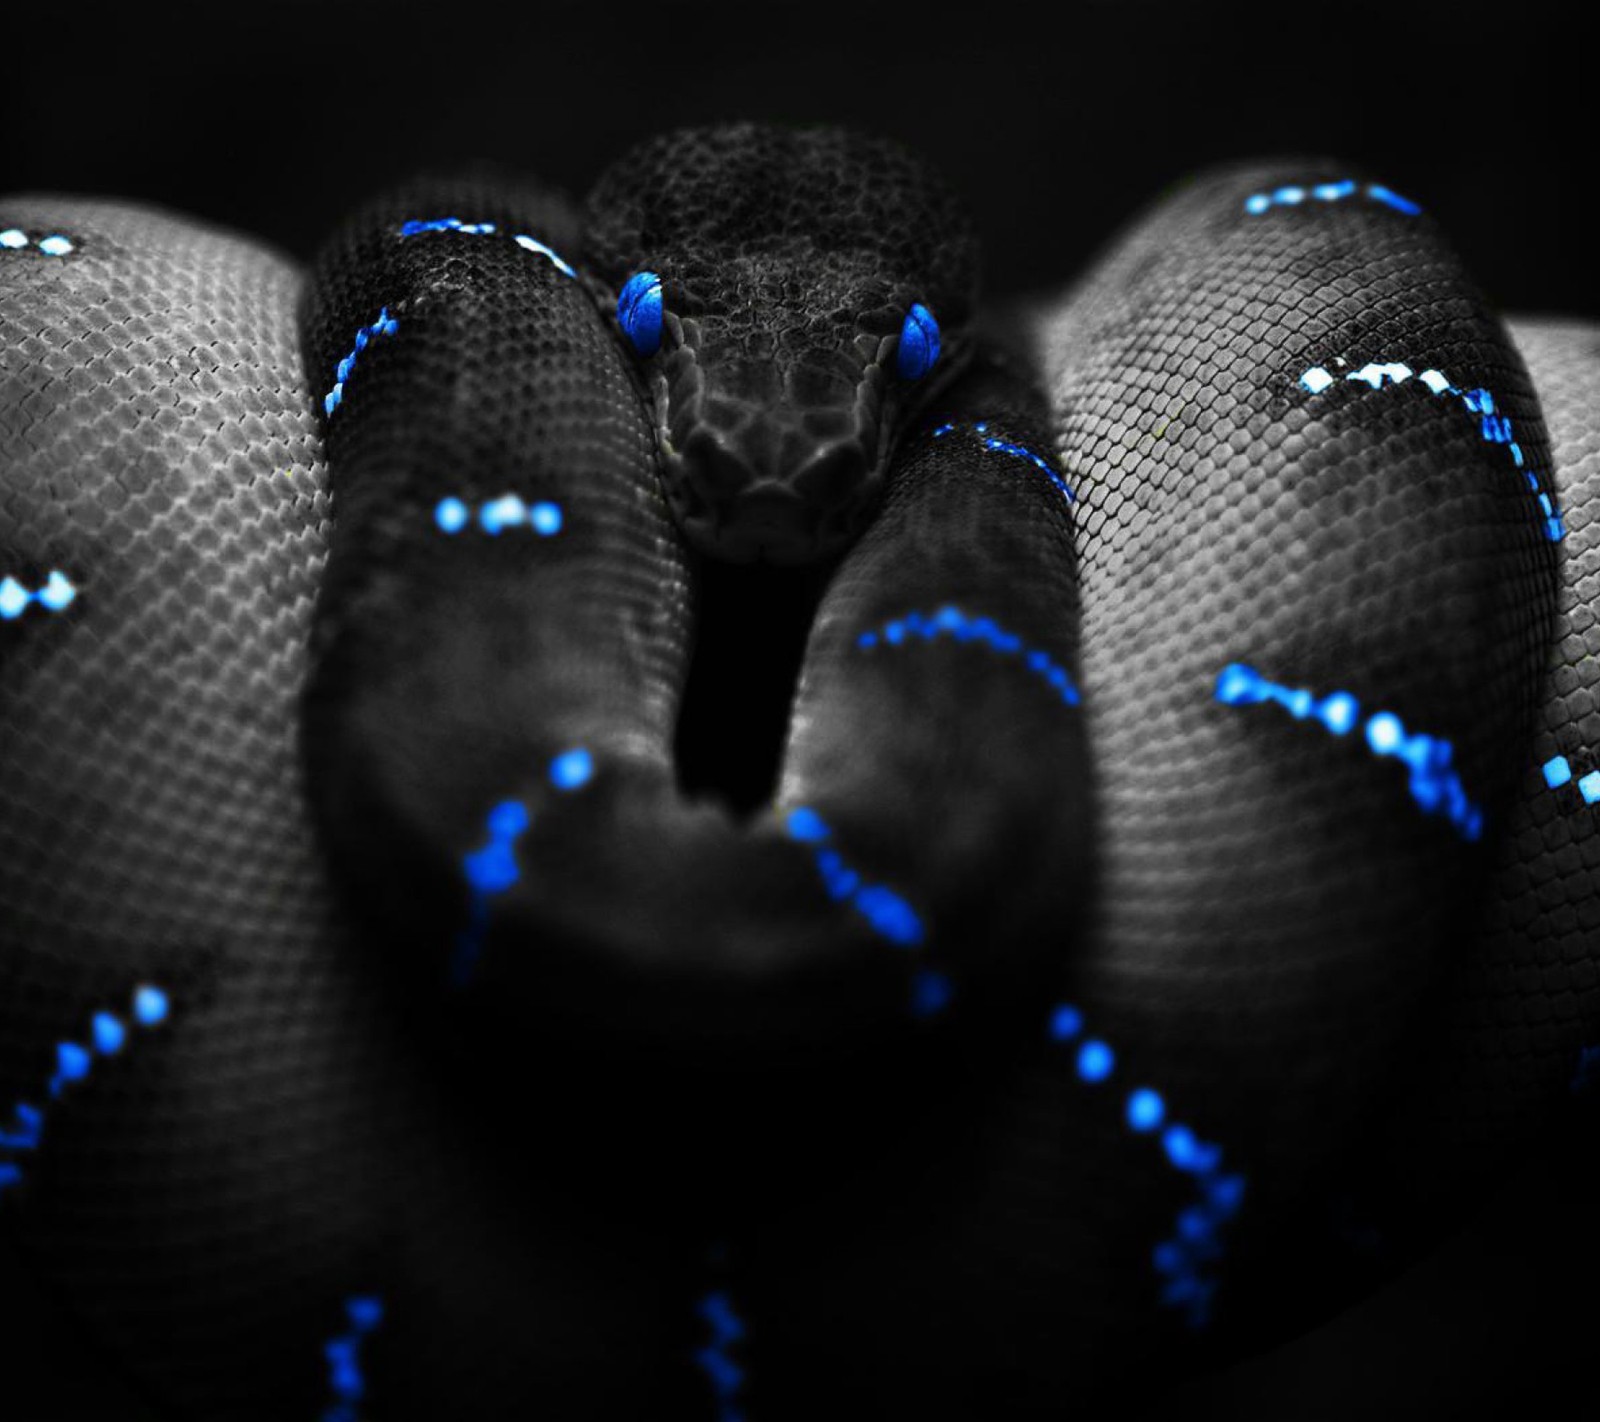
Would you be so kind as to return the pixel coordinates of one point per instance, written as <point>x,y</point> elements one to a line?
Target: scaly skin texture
<point>670,1032</point>
<point>453,668</point>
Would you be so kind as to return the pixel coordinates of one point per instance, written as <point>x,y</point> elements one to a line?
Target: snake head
<point>792,296</point>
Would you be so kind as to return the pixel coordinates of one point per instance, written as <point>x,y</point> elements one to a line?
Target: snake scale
<point>1179,843</point>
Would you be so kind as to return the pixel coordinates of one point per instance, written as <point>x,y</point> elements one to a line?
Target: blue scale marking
<point>1016,451</point>
<point>1557,772</point>
<point>716,1360</point>
<point>931,992</point>
<point>1588,1070</point>
<point>533,244</point>
<point>508,511</point>
<point>493,868</point>
<point>886,913</point>
<point>56,594</point>
<point>951,622</point>
<point>14,239</point>
<point>346,1378</point>
<point>1195,1240</point>
<point>1433,782</point>
<point>385,325</point>
<point>1494,428</point>
<point>416,227</point>
<point>74,1062</point>
<point>1293,195</point>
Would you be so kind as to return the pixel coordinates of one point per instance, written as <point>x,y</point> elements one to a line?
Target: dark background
<point>278,119</point>
<point>1058,123</point>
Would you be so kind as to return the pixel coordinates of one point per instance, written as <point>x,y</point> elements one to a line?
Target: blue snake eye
<point>919,343</point>
<point>639,312</point>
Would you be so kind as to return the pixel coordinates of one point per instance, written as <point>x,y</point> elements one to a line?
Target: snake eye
<point>639,312</point>
<point>919,343</point>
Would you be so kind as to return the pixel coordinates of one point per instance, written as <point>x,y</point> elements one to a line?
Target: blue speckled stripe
<point>715,1359</point>
<point>1558,772</point>
<point>347,1379</point>
<point>889,915</point>
<point>492,869</point>
<point>493,515</point>
<point>951,622</point>
<point>108,1034</point>
<point>1180,1261</point>
<point>1493,427</point>
<point>1015,451</point>
<point>417,227</point>
<point>385,325</point>
<point>14,239</point>
<point>56,594</point>
<point>1433,782</point>
<point>1294,194</point>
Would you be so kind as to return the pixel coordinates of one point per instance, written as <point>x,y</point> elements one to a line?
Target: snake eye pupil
<point>919,343</point>
<point>639,312</point>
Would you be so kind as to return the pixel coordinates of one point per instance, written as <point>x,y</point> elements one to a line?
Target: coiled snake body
<point>1183,690</point>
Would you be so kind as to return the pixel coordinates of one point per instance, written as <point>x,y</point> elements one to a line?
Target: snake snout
<point>742,510</point>
<point>777,480</point>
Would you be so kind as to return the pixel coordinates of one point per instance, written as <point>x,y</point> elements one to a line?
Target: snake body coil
<point>460,668</point>
<point>1180,828</point>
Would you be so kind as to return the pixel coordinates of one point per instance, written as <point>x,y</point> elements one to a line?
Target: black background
<point>1058,124</point>
<point>278,119</point>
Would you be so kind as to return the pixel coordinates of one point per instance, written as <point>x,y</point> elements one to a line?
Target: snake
<point>1169,836</point>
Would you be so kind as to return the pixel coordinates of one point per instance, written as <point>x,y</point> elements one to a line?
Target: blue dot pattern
<point>931,992</point>
<point>1182,1260</point>
<point>1493,427</point>
<point>14,239</point>
<point>1433,782</point>
<point>1292,195</point>
<point>346,1378</point>
<point>1588,1070</point>
<point>385,325</point>
<point>571,769</point>
<point>508,511</point>
<point>1016,451</point>
<point>533,244</point>
<point>951,622</point>
<point>886,913</point>
<point>492,869</point>
<point>1096,1061</point>
<point>56,594</point>
<point>1558,772</point>
<point>108,1034</point>
<point>715,1359</point>
<point>416,227</point>
<point>1146,1109</point>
